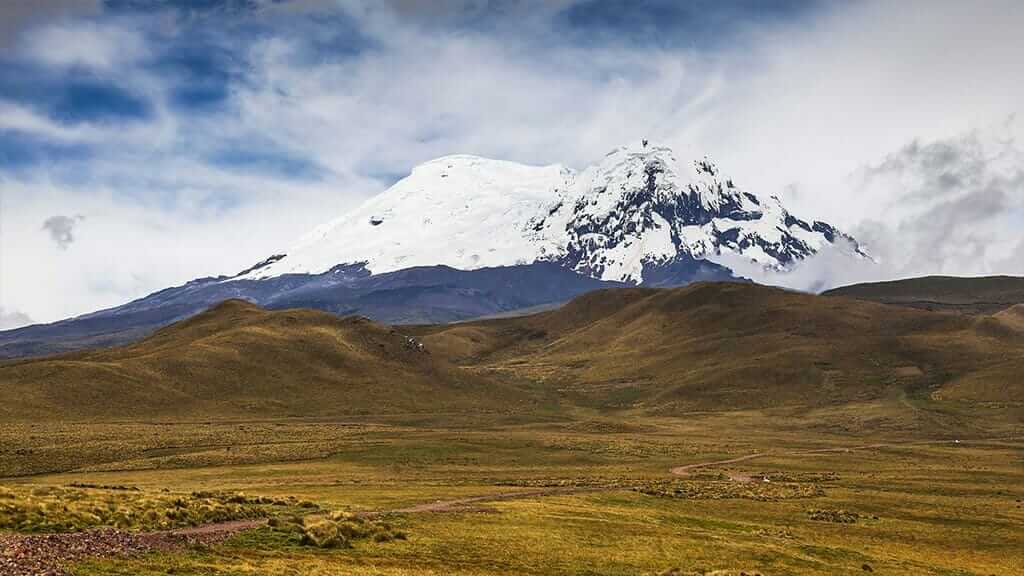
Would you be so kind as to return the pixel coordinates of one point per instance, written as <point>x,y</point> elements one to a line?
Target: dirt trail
<point>685,470</point>
<point>469,504</point>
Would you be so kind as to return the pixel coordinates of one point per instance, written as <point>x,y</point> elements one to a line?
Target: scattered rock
<point>50,554</point>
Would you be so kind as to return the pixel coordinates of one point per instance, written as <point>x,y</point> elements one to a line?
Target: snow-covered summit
<point>636,209</point>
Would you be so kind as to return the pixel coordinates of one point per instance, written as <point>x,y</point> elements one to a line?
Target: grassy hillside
<point>1013,316</point>
<point>986,295</point>
<point>237,360</point>
<point>729,346</point>
<point>655,351</point>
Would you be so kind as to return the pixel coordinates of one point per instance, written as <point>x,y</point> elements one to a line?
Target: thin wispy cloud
<point>18,15</point>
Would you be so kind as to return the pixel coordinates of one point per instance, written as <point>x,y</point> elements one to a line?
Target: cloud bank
<point>13,319</point>
<point>195,139</point>
<point>947,207</point>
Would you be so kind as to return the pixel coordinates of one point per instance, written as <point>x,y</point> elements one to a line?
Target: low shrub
<point>835,516</point>
<point>716,490</point>
<point>336,530</point>
<point>56,509</point>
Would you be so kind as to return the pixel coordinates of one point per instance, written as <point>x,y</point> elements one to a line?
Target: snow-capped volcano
<point>464,237</point>
<point>637,210</point>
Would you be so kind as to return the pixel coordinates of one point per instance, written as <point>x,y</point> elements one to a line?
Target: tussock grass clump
<point>797,476</point>
<point>241,498</point>
<point>55,509</point>
<point>834,516</point>
<point>336,530</point>
<point>760,491</point>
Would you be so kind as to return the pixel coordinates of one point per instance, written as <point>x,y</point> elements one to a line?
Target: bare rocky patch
<point>52,554</point>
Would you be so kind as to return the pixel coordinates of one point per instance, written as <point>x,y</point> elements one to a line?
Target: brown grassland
<point>984,295</point>
<point>714,429</point>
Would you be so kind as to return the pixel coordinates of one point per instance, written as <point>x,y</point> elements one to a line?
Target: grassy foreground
<point>913,506</point>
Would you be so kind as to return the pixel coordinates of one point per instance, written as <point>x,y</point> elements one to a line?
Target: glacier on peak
<point>631,212</point>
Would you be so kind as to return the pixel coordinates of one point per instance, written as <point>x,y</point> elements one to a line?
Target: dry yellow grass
<point>237,361</point>
<point>702,347</point>
<point>729,346</point>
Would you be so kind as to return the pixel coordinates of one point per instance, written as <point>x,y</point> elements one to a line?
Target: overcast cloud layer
<point>142,146</point>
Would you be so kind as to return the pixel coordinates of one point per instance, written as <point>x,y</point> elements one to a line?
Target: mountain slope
<point>415,295</point>
<point>237,360</point>
<point>982,295</point>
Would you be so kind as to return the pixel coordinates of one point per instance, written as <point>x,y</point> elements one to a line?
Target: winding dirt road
<point>470,504</point>
<point>685,470</point>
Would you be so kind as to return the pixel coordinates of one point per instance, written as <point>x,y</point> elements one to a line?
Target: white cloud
<point>816,107</point>
<point>133,246</point>
<point>17,118</point>
<point>17,15</point>
<point>160,131</point>
<point>953,207</point>
<point>88,44</point>
<point>814,103</point>
<point>11,319</point>
<point>427,94</point>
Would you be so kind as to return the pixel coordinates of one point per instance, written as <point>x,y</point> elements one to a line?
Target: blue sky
<point>182,138</point>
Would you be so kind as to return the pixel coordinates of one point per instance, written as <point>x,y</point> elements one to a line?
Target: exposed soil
<point>50,554</point>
